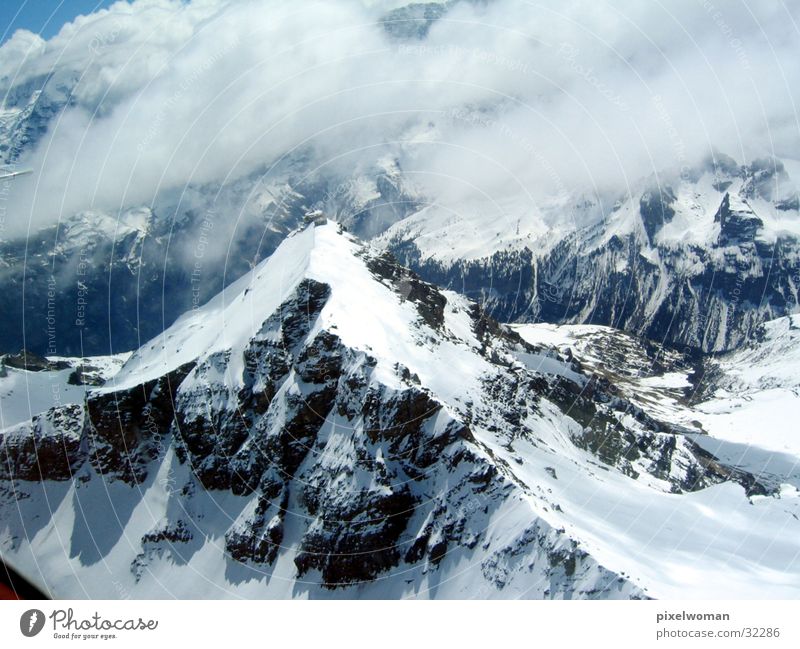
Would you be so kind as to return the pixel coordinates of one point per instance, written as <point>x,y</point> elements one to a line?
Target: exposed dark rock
<point>86,375</point>
<point>259,538</point>
<point>25,360</point>
<point>358,541</point>
<point>655,208</point>
<point>127,428</point>
<point>736,227</point>
<point>426,297</point>
<point>177,533</point>
<point>413,20</point>
<point>47,448</point>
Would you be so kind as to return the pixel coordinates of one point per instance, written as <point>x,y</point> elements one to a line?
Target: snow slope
<point>25,393</point>
<point>744,407</point>
<point>756,401</point>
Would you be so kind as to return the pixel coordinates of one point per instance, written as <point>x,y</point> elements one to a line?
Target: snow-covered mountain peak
<point>87,228</point>
<point>363,298</point>
<point>235,315</point>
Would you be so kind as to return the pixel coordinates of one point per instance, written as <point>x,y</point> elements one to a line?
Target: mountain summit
<point>331,425</point>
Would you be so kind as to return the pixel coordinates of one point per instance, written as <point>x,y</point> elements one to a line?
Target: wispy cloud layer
<point>498,98</point>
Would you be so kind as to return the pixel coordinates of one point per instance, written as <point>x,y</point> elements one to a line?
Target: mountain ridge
<point>276,442</point>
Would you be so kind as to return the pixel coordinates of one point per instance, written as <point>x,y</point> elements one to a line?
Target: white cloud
<point>510,96</point>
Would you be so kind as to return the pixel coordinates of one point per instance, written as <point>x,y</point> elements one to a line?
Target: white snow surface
<point>758,401</point>
<point>24,393</point>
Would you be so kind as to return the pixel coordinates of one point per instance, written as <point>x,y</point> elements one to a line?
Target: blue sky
<point>44,17</point>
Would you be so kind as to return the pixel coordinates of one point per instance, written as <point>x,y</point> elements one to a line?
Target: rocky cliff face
<point>332,425</point>
<point>699,263</point>
<point>28,108</point>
